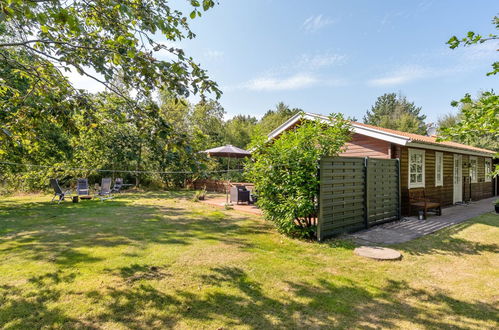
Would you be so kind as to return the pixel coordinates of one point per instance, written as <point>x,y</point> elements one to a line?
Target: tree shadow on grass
<point>446,242</point>
<point>30,309</point>
<point>42,231</point>
<point>232,298</point>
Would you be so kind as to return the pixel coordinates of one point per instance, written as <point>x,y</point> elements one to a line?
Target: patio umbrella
<point>228,151</point>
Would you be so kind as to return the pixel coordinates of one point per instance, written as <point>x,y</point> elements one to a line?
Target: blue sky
<point>338,56</point>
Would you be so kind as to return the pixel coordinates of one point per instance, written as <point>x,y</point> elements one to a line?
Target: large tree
<point>239,130</point>
<point>273,118</point>
<point>99,39</point>
<point>44,120</point>
<point>396,112</point>
<point>473,124</point>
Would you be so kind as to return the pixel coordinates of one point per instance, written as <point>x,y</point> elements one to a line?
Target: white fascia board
<point>380,135</point>
<point>288,123</point>
<point>377,134</point>
<point>293,120</point>
<point>449,149</point>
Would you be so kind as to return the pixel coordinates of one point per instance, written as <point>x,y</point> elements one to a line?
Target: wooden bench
<point>418,201</point>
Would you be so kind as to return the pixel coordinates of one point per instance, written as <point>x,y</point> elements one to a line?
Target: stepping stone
<point>378,253</point>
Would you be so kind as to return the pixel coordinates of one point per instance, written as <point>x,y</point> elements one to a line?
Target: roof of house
<point>390,135</point>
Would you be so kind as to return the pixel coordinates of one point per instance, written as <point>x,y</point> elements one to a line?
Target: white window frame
<point>416,184</point>
<point>439,181</point>
<point>488,169</point>
<point>473,170</point>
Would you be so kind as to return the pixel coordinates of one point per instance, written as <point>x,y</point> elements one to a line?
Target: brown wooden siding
<point>365,146</point>
<point>479,189</point>
<point>444,193</point>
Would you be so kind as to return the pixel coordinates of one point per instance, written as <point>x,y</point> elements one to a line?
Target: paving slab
<point>377,253</point>
<point>410,228</point>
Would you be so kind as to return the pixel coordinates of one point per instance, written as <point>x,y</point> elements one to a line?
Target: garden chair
<point>58,192</point>
<point>118,184</point>
<point>418,201</point>
<point>105,189</point>
<point>239,194</point>
<point>82,189</point>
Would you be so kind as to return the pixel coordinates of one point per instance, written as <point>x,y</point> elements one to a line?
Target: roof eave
<point>378,134</point>
<point>440,147</point>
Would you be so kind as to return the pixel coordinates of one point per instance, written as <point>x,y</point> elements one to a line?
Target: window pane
<point>420,178</point>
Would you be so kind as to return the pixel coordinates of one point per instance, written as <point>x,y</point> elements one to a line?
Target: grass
<point>158,260</point>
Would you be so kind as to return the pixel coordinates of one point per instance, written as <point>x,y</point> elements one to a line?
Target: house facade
<point>449,172</point>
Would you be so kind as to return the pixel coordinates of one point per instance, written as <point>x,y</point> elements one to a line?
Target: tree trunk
<point>137,168</point>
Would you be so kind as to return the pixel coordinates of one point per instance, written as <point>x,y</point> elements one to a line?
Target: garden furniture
<point>419,201</point>
<point>58,192</point>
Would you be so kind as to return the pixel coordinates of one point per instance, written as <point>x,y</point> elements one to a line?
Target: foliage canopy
<point>396,112</point>
<point>99,39</point>
<point>478,118</point>
<point>285,172</point>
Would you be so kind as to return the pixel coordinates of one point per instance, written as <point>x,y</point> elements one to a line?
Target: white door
<point>458,178</point>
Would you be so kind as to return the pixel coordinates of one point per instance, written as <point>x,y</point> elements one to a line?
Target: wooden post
<point>320,218</point>
<point>366,194</point>
<point>400,191</point>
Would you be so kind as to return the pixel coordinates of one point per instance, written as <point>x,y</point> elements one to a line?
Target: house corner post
<point>366,192</point>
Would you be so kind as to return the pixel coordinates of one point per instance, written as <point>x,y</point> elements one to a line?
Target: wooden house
<point>449,172</point>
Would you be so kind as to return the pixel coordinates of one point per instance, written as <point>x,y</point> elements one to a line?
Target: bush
<point>285,172</point>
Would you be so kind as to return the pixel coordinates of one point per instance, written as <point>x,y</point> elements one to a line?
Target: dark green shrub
<point>285,172</point>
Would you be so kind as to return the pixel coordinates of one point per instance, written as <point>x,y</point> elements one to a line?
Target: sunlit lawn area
<point>158,260</point>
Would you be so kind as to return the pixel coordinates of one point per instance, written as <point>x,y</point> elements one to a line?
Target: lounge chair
<point>58,192</point>
<point>239,194</point>
<point>82,189</point>
<point>118,184</point>
<point>105,189</point>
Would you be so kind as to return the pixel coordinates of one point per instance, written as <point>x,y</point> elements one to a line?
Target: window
<point>416,168</point>
<point>473,169</point>
<point>439,169</point>
<point>488,170</point>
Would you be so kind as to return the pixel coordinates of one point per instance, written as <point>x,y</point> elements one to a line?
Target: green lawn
<point>157,260</point>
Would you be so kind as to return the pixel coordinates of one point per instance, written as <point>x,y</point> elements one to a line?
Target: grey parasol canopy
<point>228,151</point>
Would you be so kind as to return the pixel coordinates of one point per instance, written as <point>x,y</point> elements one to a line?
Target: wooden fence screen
<point>356,193</point>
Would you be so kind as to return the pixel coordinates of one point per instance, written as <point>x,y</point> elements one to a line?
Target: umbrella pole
<point>228,183</point>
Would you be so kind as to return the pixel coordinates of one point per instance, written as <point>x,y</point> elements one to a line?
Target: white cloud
<point>314,23</point>
<point>294,82</point>
<point>318,61</point>
<point>305,71</point>
<point>297,81</point>
<point>485,51</point>
<point>401,76</point>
